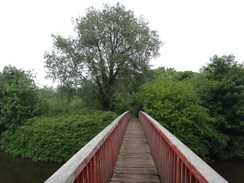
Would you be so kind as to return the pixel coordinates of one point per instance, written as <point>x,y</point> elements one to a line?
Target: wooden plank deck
<point>135,162</point>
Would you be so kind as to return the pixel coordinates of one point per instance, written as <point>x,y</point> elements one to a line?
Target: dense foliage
<point>222,92</point>
<point>18,97</point>
<point>204,110</point>
<point>112,46</point>
<point>56,138</point>
<point>61,99</point>
<point>175,105</point>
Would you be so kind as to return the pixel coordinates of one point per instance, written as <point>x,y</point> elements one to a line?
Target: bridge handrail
<point>96,160</point>
<point>175,162</point>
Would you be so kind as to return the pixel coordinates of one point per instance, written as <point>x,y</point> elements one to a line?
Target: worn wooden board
<point>135,162</point>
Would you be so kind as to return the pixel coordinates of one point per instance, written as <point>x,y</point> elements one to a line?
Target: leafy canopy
<point>110,43</point>
<point>18,97</point>
<point>222,93</point>
<point>175,105</point>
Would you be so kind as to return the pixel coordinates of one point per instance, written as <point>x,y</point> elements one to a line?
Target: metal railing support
<point>175,162</point>
<point>95,162</point>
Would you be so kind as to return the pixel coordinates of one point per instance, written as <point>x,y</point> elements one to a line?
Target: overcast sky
<point>192,30</point>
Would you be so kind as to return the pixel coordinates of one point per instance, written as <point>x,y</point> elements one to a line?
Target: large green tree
<point>222,92</point>
<point>109,44</point>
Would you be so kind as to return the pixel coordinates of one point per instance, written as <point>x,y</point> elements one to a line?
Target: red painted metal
<point>175,162</point>
<point>95,162</point>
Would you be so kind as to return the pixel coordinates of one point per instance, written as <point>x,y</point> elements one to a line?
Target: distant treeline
<point>204,110</point>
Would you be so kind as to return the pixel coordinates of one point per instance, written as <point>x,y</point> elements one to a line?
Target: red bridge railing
<point>175,162</point>
<point>95,162</point>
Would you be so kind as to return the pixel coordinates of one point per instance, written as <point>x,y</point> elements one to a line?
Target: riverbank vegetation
<point>44,124</point>
<point>104,71</point>
<point>204,110</point>
<point>56,138</point>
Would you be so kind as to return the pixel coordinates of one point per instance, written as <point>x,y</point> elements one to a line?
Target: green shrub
<point>19,99</point>
<point>175,105</point>
<point>56,138</point>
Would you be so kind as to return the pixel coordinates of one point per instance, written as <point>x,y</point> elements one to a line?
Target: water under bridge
<point>135,151</point>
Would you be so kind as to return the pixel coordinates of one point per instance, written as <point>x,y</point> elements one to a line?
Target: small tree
<point>110,44</point>
<point>18,97</point>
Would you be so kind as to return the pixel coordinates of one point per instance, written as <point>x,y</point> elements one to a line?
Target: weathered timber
<point>135,162</point>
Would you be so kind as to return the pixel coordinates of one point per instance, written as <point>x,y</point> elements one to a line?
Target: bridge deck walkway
<point>135,162</point>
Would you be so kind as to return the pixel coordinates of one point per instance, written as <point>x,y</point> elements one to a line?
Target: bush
<point>175,105</point>
<point>56,138</point>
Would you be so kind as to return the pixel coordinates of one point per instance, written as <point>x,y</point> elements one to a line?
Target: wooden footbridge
<point>135,151</point>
